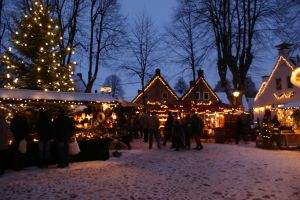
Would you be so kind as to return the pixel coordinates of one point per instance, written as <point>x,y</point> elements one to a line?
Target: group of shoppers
<point>178,131</point>
<point>60,130</point>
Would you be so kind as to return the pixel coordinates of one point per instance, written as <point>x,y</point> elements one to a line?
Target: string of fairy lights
<point>37,62</point>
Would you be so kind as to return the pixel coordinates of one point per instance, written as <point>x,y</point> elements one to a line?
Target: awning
<point>290,105</point>
<point>40,95</point>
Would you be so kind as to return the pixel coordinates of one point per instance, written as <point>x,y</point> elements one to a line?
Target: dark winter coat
<point>44,127</point>
<point>197,125</point>
<point>4,132</point>
<point>19,128</point>
<point>177,129</point>
<point>187,126</point>
<point>169,124</point>
<point>63,128</point>
<point>240,127</point>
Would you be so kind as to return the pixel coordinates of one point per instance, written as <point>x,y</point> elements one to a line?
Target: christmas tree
<point>35,61</point>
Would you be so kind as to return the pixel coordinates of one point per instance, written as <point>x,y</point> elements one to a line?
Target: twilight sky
<point>161,12</point>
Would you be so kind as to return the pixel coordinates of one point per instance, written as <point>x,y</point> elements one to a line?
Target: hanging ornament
<point>295,77</point>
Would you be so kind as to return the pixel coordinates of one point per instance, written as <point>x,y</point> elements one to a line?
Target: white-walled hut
<point>276,92</point>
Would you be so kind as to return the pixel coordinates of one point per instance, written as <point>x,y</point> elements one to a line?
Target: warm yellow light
<point>295,77</point>
<point>236,93</point>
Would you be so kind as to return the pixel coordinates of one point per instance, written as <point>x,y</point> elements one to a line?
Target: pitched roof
<point>265,83</point>
<point>24,94</point>
<point>197,82</point>
<point>160,78</point>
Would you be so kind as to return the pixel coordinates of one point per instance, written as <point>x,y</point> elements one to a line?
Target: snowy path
<point>217,172</point>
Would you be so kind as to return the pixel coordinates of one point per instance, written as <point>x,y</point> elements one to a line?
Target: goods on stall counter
<point>100,117</point>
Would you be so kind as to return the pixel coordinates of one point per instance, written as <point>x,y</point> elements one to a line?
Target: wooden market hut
<point>92,141</point>
<point>157,91</point>
<point>276,92</point>
<point>200,93</point>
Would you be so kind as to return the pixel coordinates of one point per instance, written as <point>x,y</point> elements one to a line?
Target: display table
<point>290,140</point>
<point>93,149</point>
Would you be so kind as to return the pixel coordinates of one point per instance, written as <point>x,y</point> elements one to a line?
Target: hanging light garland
<point>37,30</point>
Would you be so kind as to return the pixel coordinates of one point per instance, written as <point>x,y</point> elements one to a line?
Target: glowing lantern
<point>295,77</point>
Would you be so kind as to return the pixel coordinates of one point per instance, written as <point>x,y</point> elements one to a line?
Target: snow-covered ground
<point>219,171</point>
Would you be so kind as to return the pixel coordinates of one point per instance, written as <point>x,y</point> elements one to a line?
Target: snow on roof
<point>290,105</point>
<point>223,97</point>
<point>53,95</point>
<point>247,102</point>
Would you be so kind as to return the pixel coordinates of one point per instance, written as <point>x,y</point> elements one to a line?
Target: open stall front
<point>290,134</point>
<point>92,114</point>
<point>287,134</point>
<point>218,117</point>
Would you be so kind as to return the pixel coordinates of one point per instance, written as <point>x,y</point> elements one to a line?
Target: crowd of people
<point>178,131</point>
<point>60,130</point>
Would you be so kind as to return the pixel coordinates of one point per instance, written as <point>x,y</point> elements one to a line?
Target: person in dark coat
<point>145,125</point>
<point>20,130</point>
<point>168,129</point>
<point>197,126</point>
<point>135,126</point>
<point>178,134</point>
<point>63,131</point>
<point>239,129</point>
<point>44,131</point>
<point>4,132</point>
<point>154,130</point>
<point>187,125</point>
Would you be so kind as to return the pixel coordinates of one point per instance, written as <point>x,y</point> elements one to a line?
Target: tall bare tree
<point>184,38</point>
<point>2,23</point>
<point>144,49</point>
<point>106,30</point>
<point>68,14</point>
<point>2,31</point>
<point>288,20</point>
<point>234,26</point>
<point>115,83</point>
<point>180,86</point>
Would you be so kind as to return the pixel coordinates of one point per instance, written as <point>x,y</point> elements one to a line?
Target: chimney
<point>157,71</point>
<point>200,73</point>
<point>284,49</point>
<point>192,83</point>
<point>264,78</point>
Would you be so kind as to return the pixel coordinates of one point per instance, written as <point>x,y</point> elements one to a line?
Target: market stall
<point>92,114</point>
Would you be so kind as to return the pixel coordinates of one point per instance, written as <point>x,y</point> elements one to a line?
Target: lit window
<point>278,84</point>
<point>206,96</point>
<point>198,95</point>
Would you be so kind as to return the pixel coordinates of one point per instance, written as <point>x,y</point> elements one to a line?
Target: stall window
<point>198,95</point>
<point>206,96</point>
<point>278,84</point>
<point>289,84</point>
<point>165,95</point>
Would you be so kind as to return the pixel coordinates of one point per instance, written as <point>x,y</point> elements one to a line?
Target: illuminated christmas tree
<point>34,63</point>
